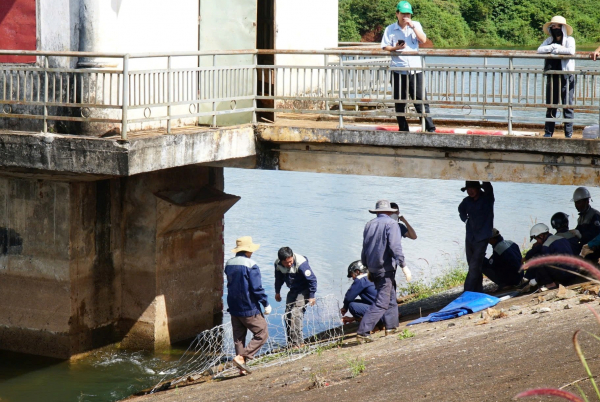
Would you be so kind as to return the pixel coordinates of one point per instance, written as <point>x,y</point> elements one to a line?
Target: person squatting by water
<point>360,295</point>
<point>549,244</point>
<point>245,294</point>
<point>295,271</point>
<point>381,253</point>
<point>401,36</point>
<point>588,224</point>
<point>559,42</point>
<point>560,222</point>
<point>503,266</point>
<point>477,212</point>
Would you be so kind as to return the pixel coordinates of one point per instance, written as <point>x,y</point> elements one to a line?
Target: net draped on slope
<point>212,351</point>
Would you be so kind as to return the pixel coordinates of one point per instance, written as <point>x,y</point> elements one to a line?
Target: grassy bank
<point>462,23</point>
<point>450,278</point>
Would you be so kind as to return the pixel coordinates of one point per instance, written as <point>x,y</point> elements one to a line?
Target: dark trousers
<point>240,326</point>
<point>475,255</point>
<point>295,306</point>
<point>501,277</point>
<point>406,85</point>
<point>359,307</point>
<point>557,84</point>
<point>545,275</point>
<point>385,306</point>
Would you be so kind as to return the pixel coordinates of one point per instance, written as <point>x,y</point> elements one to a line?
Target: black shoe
<point>431,130</point>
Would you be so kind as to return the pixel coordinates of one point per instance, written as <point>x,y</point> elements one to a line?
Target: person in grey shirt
<point>477,212</point>
<point>381,253</point>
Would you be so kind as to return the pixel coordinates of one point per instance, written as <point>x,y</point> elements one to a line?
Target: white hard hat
<point>580,194</point>
<point>538,229</point>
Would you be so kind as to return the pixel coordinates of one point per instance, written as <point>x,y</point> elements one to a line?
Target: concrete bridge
<point>116,236</point>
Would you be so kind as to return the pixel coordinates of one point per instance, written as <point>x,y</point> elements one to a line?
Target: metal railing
<point>148,91</point>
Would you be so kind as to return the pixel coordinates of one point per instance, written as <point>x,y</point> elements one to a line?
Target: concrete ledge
<point>561,146</point>
<point>111,157</point>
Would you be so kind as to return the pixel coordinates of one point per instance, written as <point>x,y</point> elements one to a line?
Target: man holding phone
<point>405,35</point>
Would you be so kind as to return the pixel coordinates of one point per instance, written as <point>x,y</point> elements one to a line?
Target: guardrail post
<point>169,94</point>
<point>340,80</point>
<point>423,112</point>
<point>326,82</point>
<point>484,85</point>
<point>254,87</point>
<point>214,91</point>
<point>125,96</point>
<point>510,94</point>
<point>46,65</point>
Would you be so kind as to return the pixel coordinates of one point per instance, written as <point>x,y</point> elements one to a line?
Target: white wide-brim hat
<point>245,244</point>
<point>557,19</point>
<point>382,206</point>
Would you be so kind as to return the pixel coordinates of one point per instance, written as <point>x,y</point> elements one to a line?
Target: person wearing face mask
<point>559,42</point>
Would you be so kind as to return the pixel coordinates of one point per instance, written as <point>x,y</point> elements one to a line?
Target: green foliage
<point>460,23</point>
<point>405,334</point>
<point>452,277</point>
<point>357,366</point>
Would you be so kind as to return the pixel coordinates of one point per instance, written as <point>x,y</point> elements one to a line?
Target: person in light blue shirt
<point>405,36</point>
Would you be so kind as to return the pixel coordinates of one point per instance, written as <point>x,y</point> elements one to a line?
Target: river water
<point>320,216</point>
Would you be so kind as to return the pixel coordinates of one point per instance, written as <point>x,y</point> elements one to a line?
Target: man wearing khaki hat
<point>245,294</point>
<point>381,254</point>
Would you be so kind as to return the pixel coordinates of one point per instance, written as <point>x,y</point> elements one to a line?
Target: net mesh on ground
<point>211,353</point>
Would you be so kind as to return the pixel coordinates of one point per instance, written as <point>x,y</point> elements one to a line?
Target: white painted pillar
<point>97,32</point>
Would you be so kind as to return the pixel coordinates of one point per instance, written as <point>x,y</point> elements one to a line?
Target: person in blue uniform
<point>477,212</point>
<point>360,295</point>
<point>381,253</point>
<point>295,271</point>
<point>588,224</point>
<point>550,245</point>
<point>503,266</point>
<point>245,295</point>
<point>560,222</point>
<point>406,230</point>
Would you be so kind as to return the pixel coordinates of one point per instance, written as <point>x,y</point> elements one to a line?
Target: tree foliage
<point>459,23</point>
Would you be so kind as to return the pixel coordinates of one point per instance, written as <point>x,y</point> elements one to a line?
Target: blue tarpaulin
<point>467,303</point>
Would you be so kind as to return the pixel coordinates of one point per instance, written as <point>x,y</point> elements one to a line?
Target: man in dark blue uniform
<point>560,222</point>
<point>294,270</point>
<point>245,295</point>
<point>360,295</point>
<point>503,266</point>
<point>550,245</point>
<point>381,253</point>
<point>477,212</point>
<point>588,224</point>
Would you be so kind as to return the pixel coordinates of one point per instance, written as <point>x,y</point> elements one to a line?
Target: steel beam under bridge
<point>430,156</point>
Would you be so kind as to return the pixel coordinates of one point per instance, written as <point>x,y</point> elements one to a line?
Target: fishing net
<point>211,352</point>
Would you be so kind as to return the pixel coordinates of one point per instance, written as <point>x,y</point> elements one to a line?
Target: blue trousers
<point>385,307</point>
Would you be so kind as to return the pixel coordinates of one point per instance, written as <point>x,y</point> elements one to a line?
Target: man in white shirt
<point>405,35</point>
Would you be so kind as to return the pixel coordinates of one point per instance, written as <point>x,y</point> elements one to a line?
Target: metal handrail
<point>346,81</point>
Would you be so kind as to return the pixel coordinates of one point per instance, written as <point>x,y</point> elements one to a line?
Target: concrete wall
<point>86,264</point>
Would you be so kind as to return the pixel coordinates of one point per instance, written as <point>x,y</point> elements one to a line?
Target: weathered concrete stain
<point>10,241</point>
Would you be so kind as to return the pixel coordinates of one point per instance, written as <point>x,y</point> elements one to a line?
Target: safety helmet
<point>356,266</point>
<point>580,194</point>
<point>559,220</point>
<point>538,229</point>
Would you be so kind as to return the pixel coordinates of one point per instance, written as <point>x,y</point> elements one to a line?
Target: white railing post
<point>46,65</point>
<point>125,96</point>
<point>510,94</point>
<point>326,93</point>
<point>169,93</point>
<point>214,91</point>
<point>340,82</point>
<point>254,87</point>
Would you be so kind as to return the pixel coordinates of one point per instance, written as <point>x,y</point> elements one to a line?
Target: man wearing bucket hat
<point>245,294</point>
<point>401,36</point>
<point>477,212</point>
<point>381,253</point>
<point>559,42</point>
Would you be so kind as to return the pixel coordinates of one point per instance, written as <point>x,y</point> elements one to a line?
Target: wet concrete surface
<point>466,359</point>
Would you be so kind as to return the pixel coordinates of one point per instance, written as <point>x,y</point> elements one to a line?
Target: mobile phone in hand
<point>400,43</point>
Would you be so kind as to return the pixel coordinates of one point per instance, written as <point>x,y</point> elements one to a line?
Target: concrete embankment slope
<point>466,359</point>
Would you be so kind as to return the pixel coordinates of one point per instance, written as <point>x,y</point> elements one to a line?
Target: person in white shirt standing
<point>559,42</point>
<point>401,36</point>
